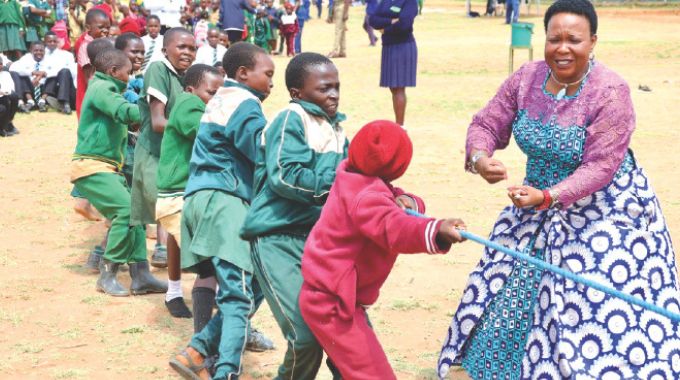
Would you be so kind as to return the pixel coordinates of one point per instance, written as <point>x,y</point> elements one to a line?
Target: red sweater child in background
<point>289,27</point>
<point>352,248</point>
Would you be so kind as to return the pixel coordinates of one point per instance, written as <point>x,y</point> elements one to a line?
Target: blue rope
<point>567,274</point>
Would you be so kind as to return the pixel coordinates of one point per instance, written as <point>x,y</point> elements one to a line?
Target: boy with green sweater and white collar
<point>300,152</point>
<point>96,173</point>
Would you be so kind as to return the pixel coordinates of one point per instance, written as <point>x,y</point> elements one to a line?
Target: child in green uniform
<point>295,169</point>
<point>262,30</point>
<point>162,85</point>
<point>218,193</point>
<point>200,84</point>
<point>95,171</point>
<point>12,24</point>
<point>36,13</point>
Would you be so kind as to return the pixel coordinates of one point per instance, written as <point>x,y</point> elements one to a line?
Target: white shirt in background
<point>59,59</point>
<point>157,54</point>
<point>26,65</point>
<point>168,11</point>
<point>206,54</point>
<point>6,83</point>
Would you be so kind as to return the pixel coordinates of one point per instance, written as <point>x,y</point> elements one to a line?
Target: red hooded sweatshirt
<point>352,248</point>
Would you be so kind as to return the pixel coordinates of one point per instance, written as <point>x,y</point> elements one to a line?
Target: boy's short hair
<point>124,39</point>
<point>94,14</point>
<point>109,58</point>
<point>97,46</point>
<point>300,66</point>
<point>196,73</point>
<point>172,33</point>
<point>50,33</point>
<point>34,44</point>
<point>153,17</point>
<point>240,54</point>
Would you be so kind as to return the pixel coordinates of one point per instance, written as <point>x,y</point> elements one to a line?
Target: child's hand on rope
<point>525,196</point>
<point>448,231</point>
<point>406,203</point>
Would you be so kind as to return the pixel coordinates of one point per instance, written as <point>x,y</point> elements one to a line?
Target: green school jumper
<point>295,169</point>
<point>177,144</point>
<point>217,196</point>
<point>161,81</point>
<point>98,159</point>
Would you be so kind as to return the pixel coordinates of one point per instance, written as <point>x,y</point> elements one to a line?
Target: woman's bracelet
<point>473,161</point>
<point>547,201</point>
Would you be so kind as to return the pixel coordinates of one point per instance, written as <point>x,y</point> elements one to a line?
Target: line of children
<point>352,248</point>
<point>218,194</point>
<point>162,85</point>
<point>296,164</point>
<point>95,171</point>
<point>200,84</point>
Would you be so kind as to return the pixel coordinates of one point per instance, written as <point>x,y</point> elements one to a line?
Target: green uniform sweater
<point>178,141</point>
<point>103,126</point>
<point>295,169</point>
<point>10,13</point>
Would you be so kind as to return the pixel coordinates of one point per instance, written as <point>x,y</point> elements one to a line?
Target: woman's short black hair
<point>300,66</point>
<point>240,54</point>
<point>124,39</point>
<point>578,7</point>
<point>195,74</point>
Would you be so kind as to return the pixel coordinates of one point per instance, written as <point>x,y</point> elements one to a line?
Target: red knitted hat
<point>382,149</point>
<point>129,25</point>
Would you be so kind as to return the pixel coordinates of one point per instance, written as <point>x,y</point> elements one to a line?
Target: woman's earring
<point>591,56</point>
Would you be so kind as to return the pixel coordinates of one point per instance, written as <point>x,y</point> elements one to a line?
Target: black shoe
<point>11,130</point>
<point>178,308</point>
<point>24,108</point>
<point>143,281</point>
<point>94,259</point>
<point>258,342</point>
<point>42,106</point>
<point>159,259</point>
<point>107,282</point>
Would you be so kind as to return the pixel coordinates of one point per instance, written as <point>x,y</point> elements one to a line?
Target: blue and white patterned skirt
<point>518,322</point>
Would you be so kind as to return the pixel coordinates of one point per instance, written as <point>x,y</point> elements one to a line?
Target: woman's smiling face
<point>568,44</point>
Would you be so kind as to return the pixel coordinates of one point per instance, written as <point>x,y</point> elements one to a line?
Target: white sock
<point>174,290</point>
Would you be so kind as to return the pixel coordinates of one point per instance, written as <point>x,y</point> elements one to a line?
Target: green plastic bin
<point>521,34</point>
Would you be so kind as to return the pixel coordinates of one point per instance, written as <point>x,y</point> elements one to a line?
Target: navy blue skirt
<point>399,65</point>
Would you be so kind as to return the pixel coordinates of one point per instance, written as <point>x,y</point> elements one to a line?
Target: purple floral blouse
<point>602,108</point>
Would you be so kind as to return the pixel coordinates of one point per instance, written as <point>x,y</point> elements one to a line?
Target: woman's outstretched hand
<point>491,169</point>
<point>525,196</point>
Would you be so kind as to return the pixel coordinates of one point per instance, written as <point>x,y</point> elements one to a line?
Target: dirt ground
<point>54,324</point>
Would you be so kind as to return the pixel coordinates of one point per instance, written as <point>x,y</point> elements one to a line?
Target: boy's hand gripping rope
<point>565,273</point>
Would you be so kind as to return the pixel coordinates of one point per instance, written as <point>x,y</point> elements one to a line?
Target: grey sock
<point>203,301</point>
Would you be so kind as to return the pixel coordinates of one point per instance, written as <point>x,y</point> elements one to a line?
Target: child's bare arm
<point>158,120</point>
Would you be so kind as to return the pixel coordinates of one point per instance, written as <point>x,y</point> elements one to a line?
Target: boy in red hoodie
<point>352,248</point>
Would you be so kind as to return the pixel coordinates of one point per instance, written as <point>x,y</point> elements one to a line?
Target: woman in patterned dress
<point>585,206</point>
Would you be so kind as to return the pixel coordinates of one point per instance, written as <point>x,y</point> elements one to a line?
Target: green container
<point>521,34</point>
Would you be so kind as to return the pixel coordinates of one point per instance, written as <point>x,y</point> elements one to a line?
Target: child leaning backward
<point>218,194</point>
<point>162,86</point>
<point>300,151</point>
<point>96,173</point>
<point>352,248</point>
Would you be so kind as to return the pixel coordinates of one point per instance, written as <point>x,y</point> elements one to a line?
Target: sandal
<point>185,365</point>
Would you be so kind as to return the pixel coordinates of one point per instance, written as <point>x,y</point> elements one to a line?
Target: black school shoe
<point>178,308</point>
<point>11,130</point>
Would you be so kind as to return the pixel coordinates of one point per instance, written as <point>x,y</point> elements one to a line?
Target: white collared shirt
<point>157,54</point>
<point>57,60</point>
<point>207,54</point>
<point>6,83</point>
<point>26,65</point>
